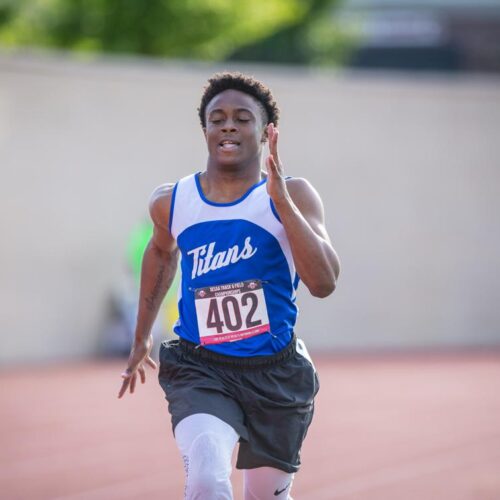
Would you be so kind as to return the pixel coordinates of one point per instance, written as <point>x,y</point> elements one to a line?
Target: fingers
<point>151,363</point>
<point>133,380</point>
<point>142,374</point>
<point>130,377</point>
<point>142,371</point>
<point>271,165</point>
<point>125,384</point>
<point>123,389</point>
<point>272,134</point>
<point>273,168</point>
<point>129,380</point>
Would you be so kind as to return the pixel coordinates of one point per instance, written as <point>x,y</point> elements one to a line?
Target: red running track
<point>387,428</point>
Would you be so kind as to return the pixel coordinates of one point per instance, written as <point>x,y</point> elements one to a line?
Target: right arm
<point>159,265</point>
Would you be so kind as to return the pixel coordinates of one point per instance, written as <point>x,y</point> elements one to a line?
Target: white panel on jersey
<point>195,210</point>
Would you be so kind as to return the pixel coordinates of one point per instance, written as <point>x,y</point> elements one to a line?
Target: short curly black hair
<point>244,83</point>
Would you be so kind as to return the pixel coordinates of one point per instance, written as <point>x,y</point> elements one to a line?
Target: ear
<point>204,132</point>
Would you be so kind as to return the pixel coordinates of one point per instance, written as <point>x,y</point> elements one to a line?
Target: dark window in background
<point>439,35</point>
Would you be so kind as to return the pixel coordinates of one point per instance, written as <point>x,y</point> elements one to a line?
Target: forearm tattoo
<point>153,296</point>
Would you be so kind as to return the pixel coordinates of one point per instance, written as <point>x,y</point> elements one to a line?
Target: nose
<point>229,126</point>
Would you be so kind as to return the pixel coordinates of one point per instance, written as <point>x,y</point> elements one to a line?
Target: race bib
<point>231,312</point>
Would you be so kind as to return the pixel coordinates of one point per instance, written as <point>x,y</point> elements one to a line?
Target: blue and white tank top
<point>237,293</point>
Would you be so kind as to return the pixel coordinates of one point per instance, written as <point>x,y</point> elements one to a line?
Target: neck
<point>234,173</point>
<point>223,183</point>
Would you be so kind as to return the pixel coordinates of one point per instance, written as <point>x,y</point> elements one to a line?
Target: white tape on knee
<point>206,444</point>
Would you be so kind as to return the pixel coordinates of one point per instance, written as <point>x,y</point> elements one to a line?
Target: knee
<point>207,453</point>
<point>208,468</point>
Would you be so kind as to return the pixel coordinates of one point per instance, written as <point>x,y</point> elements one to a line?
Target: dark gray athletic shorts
<point>268,400</point>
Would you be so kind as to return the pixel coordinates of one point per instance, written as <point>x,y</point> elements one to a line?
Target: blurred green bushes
<point>291,31</point>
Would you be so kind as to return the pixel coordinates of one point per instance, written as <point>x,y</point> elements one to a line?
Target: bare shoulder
<point>307,200</point>
<point>159,204</point>
<point>303,194</point>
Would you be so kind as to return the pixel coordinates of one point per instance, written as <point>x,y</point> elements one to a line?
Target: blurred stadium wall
<point>408,169</point>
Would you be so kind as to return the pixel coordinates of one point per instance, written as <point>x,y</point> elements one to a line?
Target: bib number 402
<point>231,317</point>
<point>230,312</point>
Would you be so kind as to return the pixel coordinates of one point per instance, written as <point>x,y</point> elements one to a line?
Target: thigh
<point>267,483</point>
<point>279,406</point>
<point>192,387</point>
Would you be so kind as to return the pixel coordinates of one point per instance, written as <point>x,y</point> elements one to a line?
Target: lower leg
<point>266,483</point>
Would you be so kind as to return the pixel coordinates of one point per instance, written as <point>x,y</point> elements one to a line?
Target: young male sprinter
<point>246,235</point>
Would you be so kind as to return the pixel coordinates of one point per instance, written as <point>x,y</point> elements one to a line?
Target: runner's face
<point>235,128</point>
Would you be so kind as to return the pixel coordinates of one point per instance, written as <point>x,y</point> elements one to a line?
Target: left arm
<point>301,212</point>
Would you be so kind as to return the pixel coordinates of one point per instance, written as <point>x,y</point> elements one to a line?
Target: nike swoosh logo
<point>279,492</point>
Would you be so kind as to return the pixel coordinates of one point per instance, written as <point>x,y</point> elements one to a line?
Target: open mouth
<point>229,145</point>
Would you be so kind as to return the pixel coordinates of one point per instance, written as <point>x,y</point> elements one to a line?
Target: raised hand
<point>139,355</point>
<point>276,186</point>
